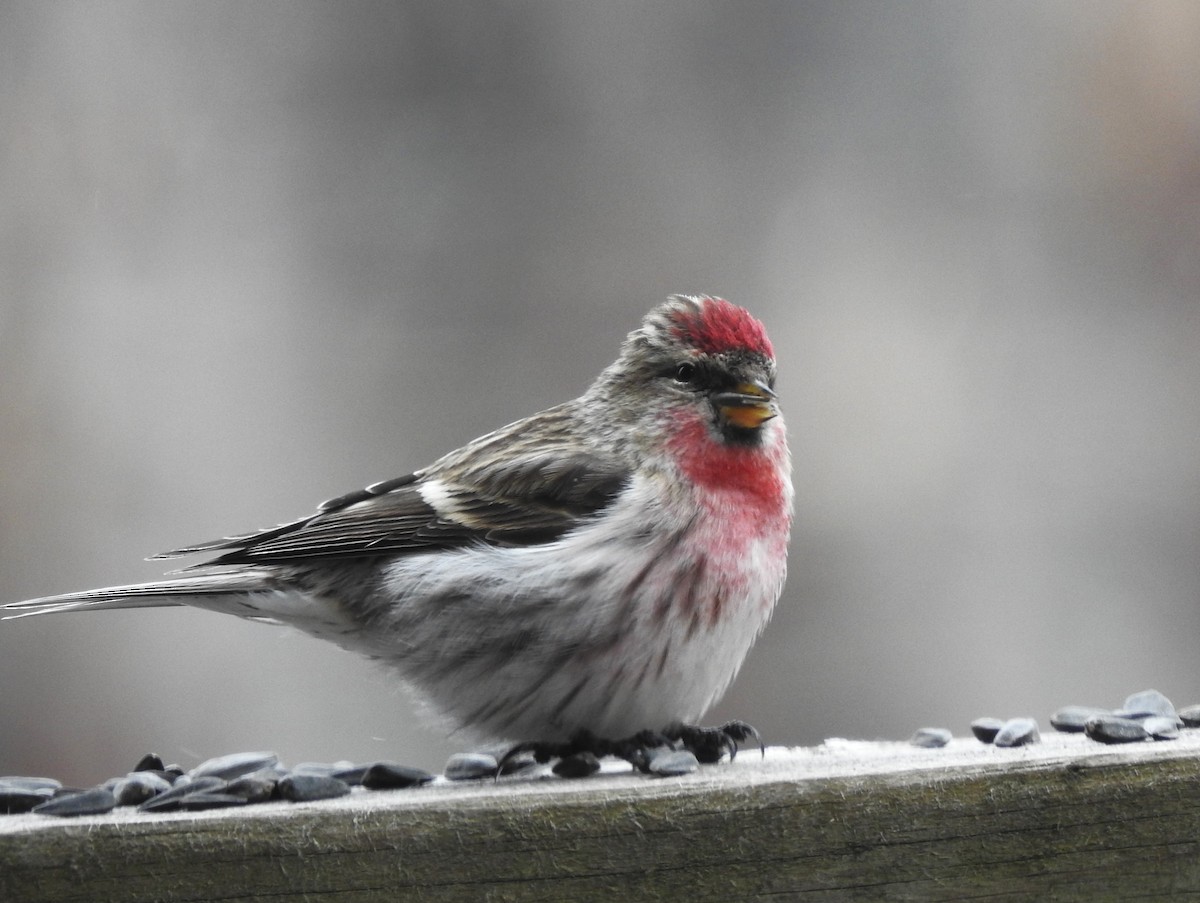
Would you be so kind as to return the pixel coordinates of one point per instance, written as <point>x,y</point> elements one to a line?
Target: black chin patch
<point>739,435</point>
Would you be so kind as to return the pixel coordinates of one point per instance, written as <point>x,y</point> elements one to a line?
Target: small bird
<point>598,569</point>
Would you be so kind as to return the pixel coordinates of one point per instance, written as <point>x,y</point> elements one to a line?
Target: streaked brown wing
<point>527,501</point>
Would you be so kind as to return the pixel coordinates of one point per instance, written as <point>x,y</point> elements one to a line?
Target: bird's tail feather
<point>228,592</point>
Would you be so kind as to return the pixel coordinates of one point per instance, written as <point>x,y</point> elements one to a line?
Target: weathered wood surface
<point>1069,819</point>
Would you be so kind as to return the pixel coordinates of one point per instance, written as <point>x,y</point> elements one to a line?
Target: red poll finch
<point>600,568</point>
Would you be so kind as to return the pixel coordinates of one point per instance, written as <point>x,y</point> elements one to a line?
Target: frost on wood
<point>1067,816</point>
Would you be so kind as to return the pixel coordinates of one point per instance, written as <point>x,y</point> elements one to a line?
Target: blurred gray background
<point>257,255</point>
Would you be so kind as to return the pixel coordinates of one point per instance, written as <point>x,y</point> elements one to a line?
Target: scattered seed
<point>1115,729</point>
<point>1146,704</point>
<point>985,729</point>
<point>389,776</point>
<point>199,802</point>
<point>17,798</point>
<point>253,788</point>
<point>343,771</point>
<point>234,765</point>
<point>1190,716</point>
<point>1018,732</point>
<point>352,774</point>
<point>239,779</point>
<point>1071,719</point>
<point>323,768</point>
<point>168,800</point>
<point>96,801</point>
<point>149,762</point>
<point>931,737</point>
<point>139,786</point>
<point>49,785</point>
<point>469,766</point>
<point>1161,728</point>
<point>303,788</point>
<point>672,763</point>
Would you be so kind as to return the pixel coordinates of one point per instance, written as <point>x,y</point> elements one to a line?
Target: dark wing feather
<point>527,501</point>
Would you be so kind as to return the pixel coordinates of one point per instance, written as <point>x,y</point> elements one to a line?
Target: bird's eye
<point>685,372</point>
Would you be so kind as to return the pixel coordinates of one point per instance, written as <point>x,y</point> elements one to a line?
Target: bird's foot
<point>709,744</point>
<point>654,752</point>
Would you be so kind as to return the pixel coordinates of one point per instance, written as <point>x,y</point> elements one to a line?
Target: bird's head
<point>697,359</point>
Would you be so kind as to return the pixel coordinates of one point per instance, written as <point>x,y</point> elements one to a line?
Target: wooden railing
<point>1066,819</point>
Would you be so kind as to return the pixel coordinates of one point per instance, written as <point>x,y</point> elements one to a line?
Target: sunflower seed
<point>1161,728</point>
<point>234,765</point>
<point>149,762</point>
<point>1145,704</point>
<point>15,797</point>
<point>468,766</point>
<point>985,729</point>
<point>168,800</point>
<point>673,762</point>
<point>1114,729</point>
<point>1190,716</point>
<point>389,776</point>
<point>1071,719</point>
<point>96,801</point>
<point>138,786</point>
<point>199,802</point>
<point>930,737</point>
<point>1018,732</point>
<point>302,788</point>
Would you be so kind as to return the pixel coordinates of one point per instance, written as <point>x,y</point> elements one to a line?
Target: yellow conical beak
<point>747,405</point>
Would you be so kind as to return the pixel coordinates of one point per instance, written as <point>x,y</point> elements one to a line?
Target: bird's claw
<point>709,744</point>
